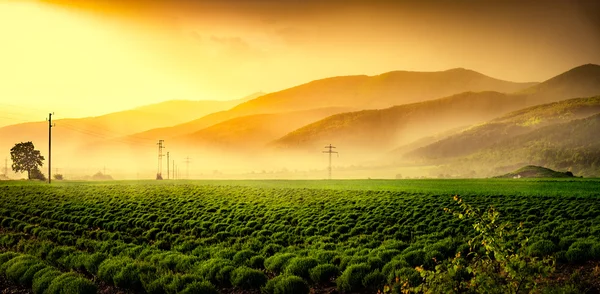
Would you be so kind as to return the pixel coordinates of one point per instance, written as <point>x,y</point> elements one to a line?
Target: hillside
<point>251,132</point>
<point>383,129</point>
<point>570,146</point>
<point>356,92</point>
<point>532,171</point>
<point>69,134</point>
<point>401,125</point>
<point>508,126</point>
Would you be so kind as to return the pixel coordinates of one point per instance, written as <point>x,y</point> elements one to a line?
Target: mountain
<point>571,145</point>
<point>508,126</point>
<point>533,171</point>
<point>252,131</point>
<point>400,125</point>
<point>356,92</point>
<point>581,81</point>
<point>69,134</point>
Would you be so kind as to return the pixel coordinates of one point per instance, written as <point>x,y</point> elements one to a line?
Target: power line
<point>330,151</point>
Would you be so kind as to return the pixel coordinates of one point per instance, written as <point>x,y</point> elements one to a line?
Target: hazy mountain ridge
<point>383,128</point>
<point>569,146</point>
<point>356,92</point>
<point>250,132</point>
<point>508,126</point>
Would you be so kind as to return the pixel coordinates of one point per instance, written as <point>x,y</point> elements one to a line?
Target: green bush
<point>92,262</point>
<point>18,268</point>
<point>324,273</point>
<point>27,277</point>
<point>203,287</point>
<point>242,257</point>
<point>409,275</point>
<point>390,268</point>
<point>290,284</point>
<point>541,248</point>
<point>301,266</point>
<point>576,255</point>
<point>43,278</point>
<point>109,268</point>
<point>68,283</point>
<point>248,278</point>
<point>257,262</point>
<point>351,278</point>
<point>277,262</point>
<point>374,280</point>
<point>209,269</point>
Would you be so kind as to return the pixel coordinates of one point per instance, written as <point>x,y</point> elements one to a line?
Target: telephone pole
<point>50,148</point>
<point>187,167</point>
<point>330,151</point>
<point>160,156</point>
<point>168,173</point>
<point>174,178</point>
<point>6,167</point>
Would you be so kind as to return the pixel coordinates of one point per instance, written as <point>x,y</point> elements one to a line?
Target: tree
<point>26,159</point>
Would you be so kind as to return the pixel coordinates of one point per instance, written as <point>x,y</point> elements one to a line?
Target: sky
<point>87,58</point>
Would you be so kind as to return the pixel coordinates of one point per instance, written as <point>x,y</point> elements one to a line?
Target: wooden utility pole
<point>330,151</point>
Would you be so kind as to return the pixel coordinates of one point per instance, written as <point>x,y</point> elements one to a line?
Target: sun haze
<point>93,57</point>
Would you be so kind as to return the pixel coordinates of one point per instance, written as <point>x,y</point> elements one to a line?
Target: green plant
<point>248,278</point>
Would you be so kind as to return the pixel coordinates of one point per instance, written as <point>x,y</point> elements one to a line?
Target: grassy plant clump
<point>351,278</point>
<point>248,278</point>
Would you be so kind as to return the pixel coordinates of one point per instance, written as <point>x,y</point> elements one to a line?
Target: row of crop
<point>33,273</point>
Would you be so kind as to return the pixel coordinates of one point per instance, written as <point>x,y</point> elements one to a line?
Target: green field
<point>269,236</point>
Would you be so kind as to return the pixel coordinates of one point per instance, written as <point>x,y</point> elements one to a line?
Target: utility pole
<point>160,156</point>
<point>168,173</point>
<point>330,151</point>
<point>6,167</point>
<point>50,148</point>
<point>174,178</point>
<point>187,167</point>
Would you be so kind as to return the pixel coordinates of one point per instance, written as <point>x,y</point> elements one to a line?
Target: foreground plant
<point>496,261</point>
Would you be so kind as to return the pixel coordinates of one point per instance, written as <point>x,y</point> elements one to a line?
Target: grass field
<point>269,236</point>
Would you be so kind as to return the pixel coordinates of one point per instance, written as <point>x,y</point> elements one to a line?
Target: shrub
<point>210,268</point>
<point>390,268</point>
<point>242,257</point>
<point>248,278</point>
<point>286,284</point>
<point>128,277</point>
<point>351,278</point>
<point>576,255</point>
<point>17,269</point>
<point>257,262</point>
<point>43,278</point>
<point>300,266</point>
<point>203,287</point>
<point>27,277</point>
<point>290,284</point>
<point>277,262</point>
<point>323,273</point>
<point>109,268</point>
<point>541,248</point>
<point>71,283</point>
<point>374,280</point>
<point>92,262</point>
<point>410,276</point>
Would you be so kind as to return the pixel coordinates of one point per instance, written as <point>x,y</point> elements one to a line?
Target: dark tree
<point>26,159</point>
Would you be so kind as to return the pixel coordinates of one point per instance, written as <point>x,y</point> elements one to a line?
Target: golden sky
<point>82,58</point>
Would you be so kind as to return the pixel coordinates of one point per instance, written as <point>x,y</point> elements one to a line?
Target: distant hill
<point>250,132</point>
<point>69,134</point>
<point>508,126</point>
<point>532,171</point>
<point>571,145</point>
<point>355,92</point>
<point>400,125</point>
